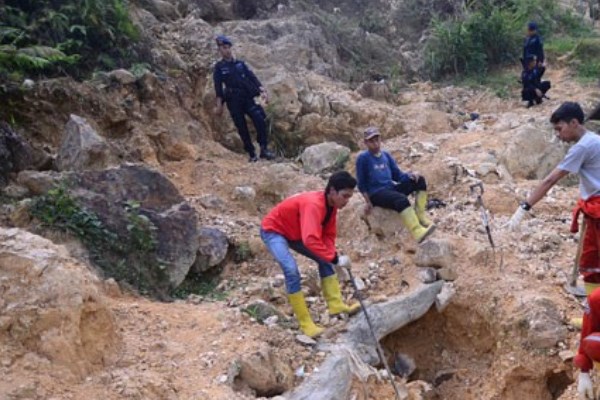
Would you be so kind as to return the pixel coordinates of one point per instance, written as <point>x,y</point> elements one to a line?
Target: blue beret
<point>532,26</point>
<point>222,39</point>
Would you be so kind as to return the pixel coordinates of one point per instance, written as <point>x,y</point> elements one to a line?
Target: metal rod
<point>377,345</point>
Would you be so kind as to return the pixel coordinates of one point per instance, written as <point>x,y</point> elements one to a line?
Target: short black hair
<point>340,180</point>
<point>568,111</point>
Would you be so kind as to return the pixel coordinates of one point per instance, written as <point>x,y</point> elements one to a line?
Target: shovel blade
<point>576,291</point>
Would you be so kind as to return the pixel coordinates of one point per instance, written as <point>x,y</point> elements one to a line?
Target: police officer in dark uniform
<point>533,46</point>
<point>534,89</point>
<point>241,87</point>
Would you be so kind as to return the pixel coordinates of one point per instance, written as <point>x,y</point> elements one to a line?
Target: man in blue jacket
<point>533,45</point>
<point>383,184</point>
<point>241,87</point>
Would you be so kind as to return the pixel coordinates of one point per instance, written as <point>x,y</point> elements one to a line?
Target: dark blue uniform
<point>532,79</point>
<point>534,46</point>
<point>241,86</point>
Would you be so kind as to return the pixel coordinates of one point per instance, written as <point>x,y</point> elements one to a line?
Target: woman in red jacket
<point>306,223</point>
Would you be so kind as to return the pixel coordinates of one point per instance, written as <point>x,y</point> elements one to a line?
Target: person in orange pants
<point>588,354</point>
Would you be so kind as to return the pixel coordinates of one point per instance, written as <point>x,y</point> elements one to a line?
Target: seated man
<point>534,89</point>
<point>306,223</point>
<point>382,184</point>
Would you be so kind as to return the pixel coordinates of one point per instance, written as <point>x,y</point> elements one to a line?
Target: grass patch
<point>201,286</point>
<point>502,83</point>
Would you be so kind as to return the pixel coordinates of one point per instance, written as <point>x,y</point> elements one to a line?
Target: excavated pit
<point>456,352</point>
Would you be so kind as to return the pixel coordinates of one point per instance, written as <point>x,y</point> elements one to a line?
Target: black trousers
<point>528,94</point>
<point>396,198</point>
<point>238,107</point>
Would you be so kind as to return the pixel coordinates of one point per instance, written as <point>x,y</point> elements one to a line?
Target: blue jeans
<point>279,247</point>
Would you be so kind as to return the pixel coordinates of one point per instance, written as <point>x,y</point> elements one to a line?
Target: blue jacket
<point>534,45</point>
<point>377,172</point>
<point>532,78</point>
<point>237,78</point>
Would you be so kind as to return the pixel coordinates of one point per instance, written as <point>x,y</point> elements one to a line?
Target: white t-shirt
<point>583,159</point>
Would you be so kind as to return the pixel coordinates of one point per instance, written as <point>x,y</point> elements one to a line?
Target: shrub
<point>73,36</point>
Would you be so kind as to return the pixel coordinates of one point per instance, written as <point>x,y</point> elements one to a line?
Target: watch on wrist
<point>525,205</point>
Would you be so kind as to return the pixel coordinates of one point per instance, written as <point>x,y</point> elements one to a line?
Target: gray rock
<point>437,253</point>
<point>383,222</point>
<point>540,322</point>
<point>306,340</point>
<point>264,372</point>
<point>82,148</point>
<point>122,76</point>
<point>403,365</point>
<point>213,249</point>
<point>39,183</point>
<point>16,154</point>
<point>532,153</point>
<point>323,157</point>
<point>106,193</point>
<point>261,311</point>
<point>211,201</point>
<point>427,275</point>
<point>244,193</point>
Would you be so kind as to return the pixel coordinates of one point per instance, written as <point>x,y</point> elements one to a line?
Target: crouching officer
<point>241,87</point>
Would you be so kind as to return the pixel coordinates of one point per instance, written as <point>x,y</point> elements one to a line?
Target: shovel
<point>377,345</point>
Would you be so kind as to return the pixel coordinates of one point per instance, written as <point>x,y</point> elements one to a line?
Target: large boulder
<point>213,249</point>
<point>16,154</point>
<point>106,193</point>
<point>531,153</point>
<point>384,223</point>
<point>82,148</point>
<point>52,311</point>
<point>324,157</point>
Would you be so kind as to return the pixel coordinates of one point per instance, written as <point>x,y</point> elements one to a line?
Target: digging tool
<point>377,345</point>
<point>572,287</point>
<point>477,189</point>
<point>484,216</point>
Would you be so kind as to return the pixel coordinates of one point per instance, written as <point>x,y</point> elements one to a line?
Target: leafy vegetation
<point>51,37</point>
<point>489,35</point>
<point>127,257</point>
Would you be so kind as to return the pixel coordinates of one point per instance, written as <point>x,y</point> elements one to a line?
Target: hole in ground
<point>455,351</point>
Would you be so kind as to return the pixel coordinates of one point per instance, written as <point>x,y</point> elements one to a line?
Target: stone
<point>213,247</point>
<point>324,157</point>
<point>306,340</point>
<point>403,365</point>
<point>427,275</point>
<point>263,371</point>
<point>539,321</point>
<point>261,311</point>
<point>76,332</point>
<point>82,148</point>
<point>39,182</point>
<point>211,201</point>
<point>384,223</point>
<point>437,253</point>
<point>447,274</point>
<point>532,152</point>
<point>106,193</point>
<point>244,193</point>
<point>122,76</point>
<point>16,154</point>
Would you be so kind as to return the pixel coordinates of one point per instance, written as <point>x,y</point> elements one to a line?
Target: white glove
<point>344,261</point>
<point>515,220</point>
<point>585,387</point>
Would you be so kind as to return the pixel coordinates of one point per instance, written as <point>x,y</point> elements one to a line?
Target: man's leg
<point>278,246</point>
<point>236,109</point>
<point>259,118</point>
<point>419,187</point>
<point>329,282</point>
<point>395,200</point>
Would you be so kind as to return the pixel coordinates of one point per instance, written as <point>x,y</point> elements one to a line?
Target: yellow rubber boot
<point>307,325</point>
<point>589,288</point>
<point>411,222</point>
<point>333,296</point>
<point>420,204</point>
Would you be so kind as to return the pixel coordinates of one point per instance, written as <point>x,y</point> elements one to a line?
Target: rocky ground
<point>505,334</point>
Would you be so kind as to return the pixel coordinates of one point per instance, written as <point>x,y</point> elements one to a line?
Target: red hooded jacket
<point>300,217</point>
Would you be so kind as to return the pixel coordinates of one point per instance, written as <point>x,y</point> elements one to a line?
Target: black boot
<point>252,158</point>
<point>529,104</point>
<point>266,154</point>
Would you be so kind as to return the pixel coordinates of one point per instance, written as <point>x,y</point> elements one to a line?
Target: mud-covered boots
<point>420,206</point>
<point>411,222</point>
<point>307,326</point>
<point>333,297</point>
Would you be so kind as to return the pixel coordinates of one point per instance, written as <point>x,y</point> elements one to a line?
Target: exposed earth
<point>69,333</point>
